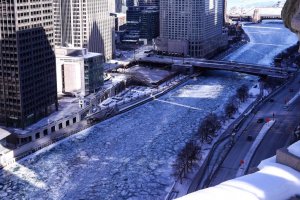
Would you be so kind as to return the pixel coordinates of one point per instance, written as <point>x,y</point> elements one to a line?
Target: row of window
<point>60,126</point>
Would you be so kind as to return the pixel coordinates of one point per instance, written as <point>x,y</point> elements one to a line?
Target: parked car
<point>249,138</point>
<point>260,120</point>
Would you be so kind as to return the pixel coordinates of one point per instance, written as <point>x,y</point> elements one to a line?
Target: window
<point>37,135</point>
<point>45,132</point>
<point>53,129</point>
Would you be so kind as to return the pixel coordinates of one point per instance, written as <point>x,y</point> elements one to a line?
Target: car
<point>260,120</point>
<point>249,138</point>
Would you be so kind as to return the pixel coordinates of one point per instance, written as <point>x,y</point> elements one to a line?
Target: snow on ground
<point>266,41</point>
<point>133,54</point>
<point>293,99</point>
<point>67,106</point>
<point>149,74</point>
<point>254,91</point>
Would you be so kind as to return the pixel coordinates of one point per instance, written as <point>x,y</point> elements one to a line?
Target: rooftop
<point>273,181</point>
<point>74,52</point>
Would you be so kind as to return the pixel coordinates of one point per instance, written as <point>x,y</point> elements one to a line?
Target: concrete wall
<point>283,156</point>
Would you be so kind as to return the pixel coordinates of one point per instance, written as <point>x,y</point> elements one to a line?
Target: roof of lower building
<point>3,133</point>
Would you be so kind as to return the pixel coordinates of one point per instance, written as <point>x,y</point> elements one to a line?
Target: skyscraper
<point>27,62</point>
<point>191,27</point>
<point>143,20</point>
<point>85,24</point>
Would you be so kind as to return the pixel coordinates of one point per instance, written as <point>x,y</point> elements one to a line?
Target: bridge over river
<point>258,70</point>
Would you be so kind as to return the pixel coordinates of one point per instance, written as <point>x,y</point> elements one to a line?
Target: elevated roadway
<point>257,70</point>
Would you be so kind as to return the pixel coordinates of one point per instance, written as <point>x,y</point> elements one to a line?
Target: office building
<point>120,21</point>
<point>130,3</point>
<point>191,27</point>
<point>85,24</point>
<point>27,62</point>
<point>143,21</point>
<point>79,72</point>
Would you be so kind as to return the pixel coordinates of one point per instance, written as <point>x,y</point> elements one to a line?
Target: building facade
<point>27,62</point>
<point>148,3</point>
<point>79,72</point>
<point>197,23</point>
<point>143,21</point>
<point>131,3</point>
<point>85,24</point>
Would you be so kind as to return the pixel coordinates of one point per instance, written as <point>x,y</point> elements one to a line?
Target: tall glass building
<point>27,62</point>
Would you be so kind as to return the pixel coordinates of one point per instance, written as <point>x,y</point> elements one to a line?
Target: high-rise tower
<point>85,24</point>
<point>27,61</point>
<point>191,27</point>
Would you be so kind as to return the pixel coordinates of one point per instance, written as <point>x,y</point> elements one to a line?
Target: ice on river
<point>266,41</point>
<point>128,156</point>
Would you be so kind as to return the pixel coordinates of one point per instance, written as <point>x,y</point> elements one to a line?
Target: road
<point>277,137</point>
<point>279,134</point>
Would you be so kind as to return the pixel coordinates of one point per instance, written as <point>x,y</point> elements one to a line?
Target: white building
<point>85,24</point>
<point>195,24</point>
<point>78,72</point>
<point>278,178</point>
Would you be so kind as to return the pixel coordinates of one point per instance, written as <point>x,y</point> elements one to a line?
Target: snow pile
<point>273,182</point>
<point>254,91</point>
<point>293,99</point>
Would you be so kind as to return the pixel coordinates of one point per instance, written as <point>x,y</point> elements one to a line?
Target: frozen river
<point>266,41</point>
<point>130,155</point>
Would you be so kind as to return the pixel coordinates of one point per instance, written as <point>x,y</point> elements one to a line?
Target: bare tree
<point>209,126</point>
<point>178,169</point>
<point>185,160</point>
<point>230,109</point>
<point>243,93</point>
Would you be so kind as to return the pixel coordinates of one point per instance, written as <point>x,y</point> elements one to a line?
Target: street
<point>277,137</point>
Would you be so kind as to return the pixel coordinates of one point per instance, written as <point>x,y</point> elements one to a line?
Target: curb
<point>264,130</point>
